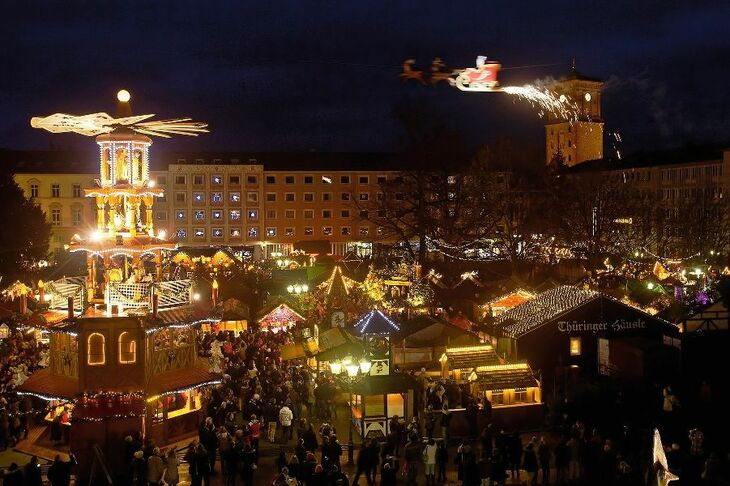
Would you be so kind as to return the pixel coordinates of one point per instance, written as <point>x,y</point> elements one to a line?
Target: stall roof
<point>183,378</point>
<point>50,387</point>
<point>336,343</point>
<point>437,332</point>
<point>470,357</point>
<point>381,385</point>
<point>507,376</point>
<point>375,322</point>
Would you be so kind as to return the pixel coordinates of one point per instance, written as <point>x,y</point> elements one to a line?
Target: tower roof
<point>574,75</point>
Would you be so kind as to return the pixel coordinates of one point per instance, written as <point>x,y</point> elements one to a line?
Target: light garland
<point>47,398</point>
<point>122,251</point>
<point>187,325</point>
<point>131,192</point>
<point>470,349</point>
<point>504,367</point>
<point>193,387</point>
<point>364,321</point>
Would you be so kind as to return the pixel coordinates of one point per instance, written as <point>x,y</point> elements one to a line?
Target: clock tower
<point>581,139</point>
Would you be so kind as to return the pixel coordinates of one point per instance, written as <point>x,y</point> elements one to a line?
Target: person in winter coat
<point>529,463</point>
<point>285,419</point>
<point>562,460</point>
<point>429,456</point>
<point>199,464</point>
<point>172,473</point>
<point>139,469</point>
<point>155,468</point>
<point>543,455</point>
<point>515,456</point>
<point>363,465</point>
<point>247,465</point>
<point>13,476</point>
<point>59,474</point>
<point>32,473</point>
<point>389,471</point>
<point>442,458</point>
<point>209,440</point>
<point>373,459</point>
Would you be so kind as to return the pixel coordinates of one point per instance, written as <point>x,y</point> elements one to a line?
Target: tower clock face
<point>338,319</point>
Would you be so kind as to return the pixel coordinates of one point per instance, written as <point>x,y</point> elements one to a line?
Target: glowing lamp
<point>305,288</point>
<point>473,376</point>
<point>650,285</point>
<point>162,234</point>
<point>96,235</point>
<point>123,96</point>
<point>151,184</point>
<point>196,296</point>
<point>352,369</point>
<point>215,283</point>
<point>290,289</point>
<point>347,360</point>
<point>335,367</point>
<point>365,365</point>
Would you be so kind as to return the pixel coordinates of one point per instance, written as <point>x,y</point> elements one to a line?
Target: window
<point>308,197</point>
<point>498,398</point>
<point>327,230</point>
<point>162,198</point>
<point>234,180</point>
<point>289,231</point>
<point>56,217</point>
<point>216,214</point>
<point>270,232</point>
<point>326,179</point>
<point>216,197</point>
<point>344,179</point>
<point>521,396</point>
<point>381,213</point>
<point>364,196</point>
<point>235,233</point>
<point>290,214</point>
<point>180,180</point>
<point>253,214</point>
<point>199,215</point>
<point>380,196</point>
<point>76,216</point>
<point>234,197</point>
<point>289,197</point>
<point>308,179</point>
<point>345,196</point>
<point>326,196</point>
<point>182,233</point>
<point>77,190</point>
<point>127,348</point>
<point>180,215</point>
<point>289,179</point>
<point>364,180</point>
<point>308,214</point>
<point>382,179</point>
<point>198,180</point>
<point>345,213</point>
<point>95,348</point>
<point>345,231</point>
<point>234,214</point>
<point>179,197</point>
<point>216,180</point>
<point>252,179</point>
<point>253,232</point>
<point>271,214</point>
<point>270,197</point>
<point>326,213</point>
<point>363,214</point>
<point>575,346</point>
<point>34,190</point>
<point>162,215</point>
<point>271,179</point>
<point>199,232</point>
<point>364,231</point>
<point>252,197</point>
<point>55,190</point>
<point>308,231</point>
<point>198,197</point>
<point>161,180</point>
<point>217,232</point>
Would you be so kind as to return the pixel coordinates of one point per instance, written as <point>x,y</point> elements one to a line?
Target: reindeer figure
<point>437,75</point>
<point>410,73</point>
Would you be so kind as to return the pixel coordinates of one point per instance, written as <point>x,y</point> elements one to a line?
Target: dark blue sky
<point>323,75</point>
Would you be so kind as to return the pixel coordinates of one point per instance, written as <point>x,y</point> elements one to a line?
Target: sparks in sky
<point>547,101</point>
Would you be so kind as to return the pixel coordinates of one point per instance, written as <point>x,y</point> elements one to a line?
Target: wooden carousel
<point>124,359</point>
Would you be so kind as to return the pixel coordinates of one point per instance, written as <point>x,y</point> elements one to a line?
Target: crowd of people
<point>20,355</point>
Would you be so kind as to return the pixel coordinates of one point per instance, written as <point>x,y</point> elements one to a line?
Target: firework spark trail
<point>546,100</point>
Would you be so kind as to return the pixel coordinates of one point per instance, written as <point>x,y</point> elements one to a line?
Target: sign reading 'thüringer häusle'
<point>595,327</point>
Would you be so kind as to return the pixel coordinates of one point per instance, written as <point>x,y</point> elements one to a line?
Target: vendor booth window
<point>95,348</point>
<point>497,398</point>
<point>575,346</point>
<point>127,348</point>
<point>520,396</point>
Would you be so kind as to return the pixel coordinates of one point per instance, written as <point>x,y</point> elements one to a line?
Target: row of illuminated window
<point>253,197</point>
<point>96,349</point>
<point>235,179</point>
<point>76,190</point>
<point>56,219</point>
<point>253,214</point>
<point>271,232</point>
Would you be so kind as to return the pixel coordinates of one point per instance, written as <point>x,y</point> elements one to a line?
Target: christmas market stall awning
<point>337,343</point>
<point>508,301</point>
<point>382,385</point>
<point>292,351</point>
<point>471,357</point>
<point>43,384</point>
<point>505,377</point>
<point>182,379</point>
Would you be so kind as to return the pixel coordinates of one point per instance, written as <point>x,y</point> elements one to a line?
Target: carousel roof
<point>182,379</point>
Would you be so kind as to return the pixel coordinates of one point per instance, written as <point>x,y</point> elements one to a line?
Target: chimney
<point>70,307</point>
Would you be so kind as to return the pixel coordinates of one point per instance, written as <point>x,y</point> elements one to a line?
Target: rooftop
<point>682,155</point>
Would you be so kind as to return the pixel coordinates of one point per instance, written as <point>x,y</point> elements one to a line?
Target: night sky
<point>321,75</point>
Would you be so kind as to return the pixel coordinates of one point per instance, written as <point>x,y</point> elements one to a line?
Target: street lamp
<point>352,368</point>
